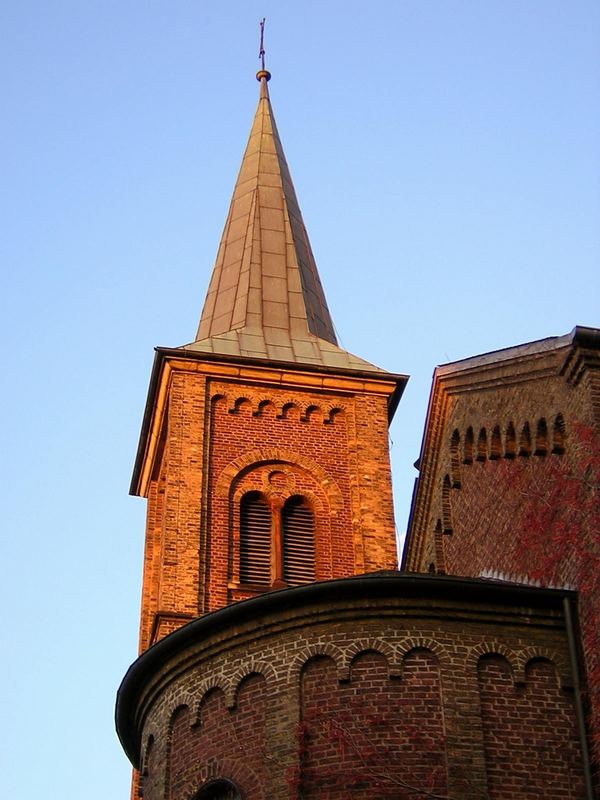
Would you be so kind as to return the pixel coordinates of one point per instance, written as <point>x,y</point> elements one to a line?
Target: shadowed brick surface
<point>368,686</point>
<point>508,478</point>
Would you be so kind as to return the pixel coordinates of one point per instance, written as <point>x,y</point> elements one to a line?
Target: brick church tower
<point>264,448</point>
<point>282,655</point>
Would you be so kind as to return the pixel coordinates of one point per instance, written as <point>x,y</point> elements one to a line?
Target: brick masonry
<point>218,437</point>
<point>366,688</point>
<point>369,687</point>
<point>503,488</point>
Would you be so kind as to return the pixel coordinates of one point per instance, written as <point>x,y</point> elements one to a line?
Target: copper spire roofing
<point>265,298</point>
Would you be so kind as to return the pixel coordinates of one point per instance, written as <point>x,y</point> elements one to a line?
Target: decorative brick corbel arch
<point>374,646</point>
<point>495,649</point>
<point>314,651</point>
<point>529,654</point>
<point>210,684</point>
<point>261,668</point>
<point>406,646</point>
<point>180,701</point>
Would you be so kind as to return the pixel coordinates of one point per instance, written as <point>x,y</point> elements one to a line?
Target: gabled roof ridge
<point>538,346</point>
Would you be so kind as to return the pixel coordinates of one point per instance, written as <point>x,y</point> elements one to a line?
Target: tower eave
<point>367,377</point>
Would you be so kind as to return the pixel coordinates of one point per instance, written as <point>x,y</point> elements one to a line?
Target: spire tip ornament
<point>262,72</point>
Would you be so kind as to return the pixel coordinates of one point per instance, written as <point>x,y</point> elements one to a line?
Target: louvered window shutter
<point>255,540</point>
<point>298,529</point>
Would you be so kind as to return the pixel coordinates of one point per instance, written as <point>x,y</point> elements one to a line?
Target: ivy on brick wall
<point>558,538</point>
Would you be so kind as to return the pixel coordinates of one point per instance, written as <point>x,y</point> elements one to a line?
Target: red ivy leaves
<point>558,536</point>
<point>366,758</point>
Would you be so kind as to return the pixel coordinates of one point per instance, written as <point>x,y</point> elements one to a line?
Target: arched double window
<point>277,540</point>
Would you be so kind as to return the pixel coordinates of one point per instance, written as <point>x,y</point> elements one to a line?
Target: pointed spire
<point>265,298</point>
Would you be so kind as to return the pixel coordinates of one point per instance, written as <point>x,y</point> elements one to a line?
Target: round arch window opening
<point>219,790</point>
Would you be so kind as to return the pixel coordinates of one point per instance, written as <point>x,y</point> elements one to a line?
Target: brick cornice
<point>281,374</point>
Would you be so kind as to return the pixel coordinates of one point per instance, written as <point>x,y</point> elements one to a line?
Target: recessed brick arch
<point>272,454</point>
<point>209,685</point>
<point>493,649</point>
<point>530,654</point>
<point>266,407</point>
<point>179,710</point>
<point>374,646</point>
<point>529,731</point>
<point>262,401</point>
<point>148,747</point>
<point>290,410</point>
<point>227,746</point>
<point>206,697</point>
<point>317,503</point>
<point>261,668</point>
<point>180,702</point>
<point>309,652</point>
<point>231,770</point>
<point>220,785</point>
<point>412,643</point>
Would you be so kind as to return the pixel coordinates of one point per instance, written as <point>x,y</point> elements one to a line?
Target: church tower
<point>282,655</point>
<point>264,446</point>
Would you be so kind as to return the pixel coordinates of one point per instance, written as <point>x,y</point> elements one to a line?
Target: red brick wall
<point>522,511</point>
<point>363,696</point>
<point>223,437</point>
<point>518,391</point>
<point>373,737</point>
<point>170,585</point>
<point>486,511</point>
<point>211,732</point>
<point>529,732</point>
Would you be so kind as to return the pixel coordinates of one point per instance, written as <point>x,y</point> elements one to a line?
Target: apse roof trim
<point>387,583</point>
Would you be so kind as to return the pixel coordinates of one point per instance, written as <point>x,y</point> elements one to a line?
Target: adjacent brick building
<point>509,477</point>
<point>282,655</point>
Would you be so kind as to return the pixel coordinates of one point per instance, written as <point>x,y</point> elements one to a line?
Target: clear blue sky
<point>446,158</point>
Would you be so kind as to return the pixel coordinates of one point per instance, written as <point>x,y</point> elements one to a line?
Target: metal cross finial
<point>263,75</point>
<point>261,52</point>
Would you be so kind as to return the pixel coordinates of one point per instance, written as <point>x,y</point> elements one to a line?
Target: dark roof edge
<point>146,420</point>
<point>162,353</point>
<point>581,335</point>
<point>506,353</point>
<point>588,337</point>
<point>375,584</point>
